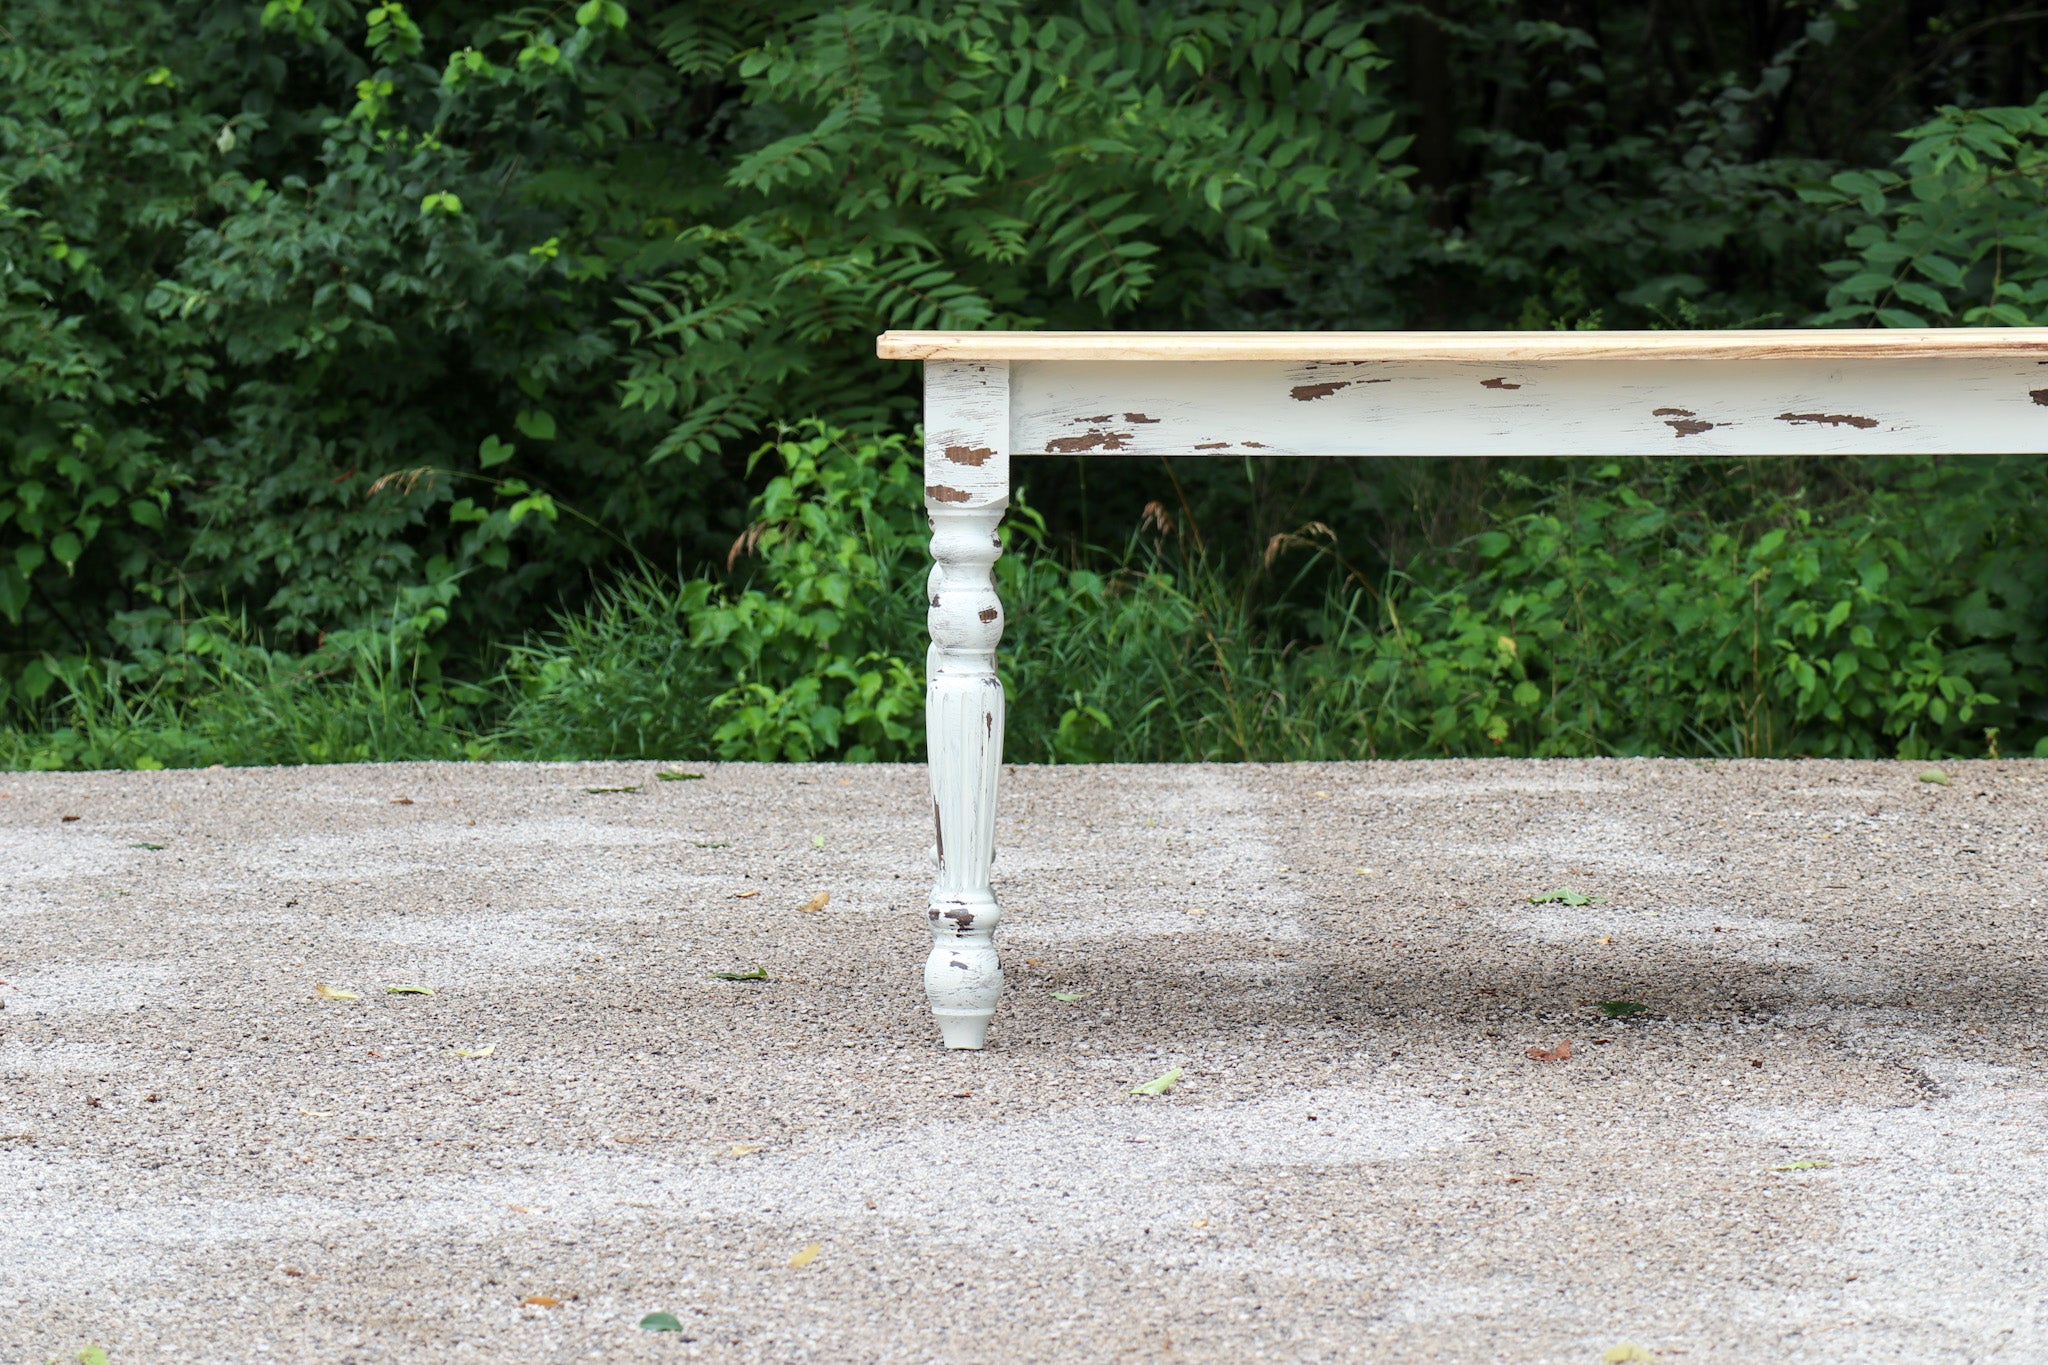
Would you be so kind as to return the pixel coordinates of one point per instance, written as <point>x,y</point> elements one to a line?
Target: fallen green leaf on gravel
<point>92,1355</point>
<point>806,1256</point>
<point>660,1322</point>
<point>758,974</point>
<point>714,845</point>
<point>1564,895</point>
<point>409,990</point>
<point>327,992</point>
<point>607,791</point>
<point>678,775</point>
<point>1070,996</point>
<point>1160,1085</point>
<point>1808,1165</point>
<point>1936,776</point>
<point>1621,1009</point>
<point>1624,1354</point>
<point>486,1050</point>
<point>153,848</point>
<point>817,841</point>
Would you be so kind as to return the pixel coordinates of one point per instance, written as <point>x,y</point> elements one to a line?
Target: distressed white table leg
<point>967,487</point>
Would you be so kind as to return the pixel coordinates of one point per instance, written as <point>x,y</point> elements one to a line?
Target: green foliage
<point>1619,610</point>
<point>982,165</point>
<point>366,696</point>
<point>1617,614</point>
<point>799,660</point>
<point>283,279</point>
<point>1956,233</point>
<point>342,342</point>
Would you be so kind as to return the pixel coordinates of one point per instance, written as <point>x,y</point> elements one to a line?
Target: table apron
<point>1985,405</point>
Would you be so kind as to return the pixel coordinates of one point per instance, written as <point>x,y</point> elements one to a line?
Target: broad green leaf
<point>660,1322</point>
<point>1159,1085</point>
<point>1564,895</point>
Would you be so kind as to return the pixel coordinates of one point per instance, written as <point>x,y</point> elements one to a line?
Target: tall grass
<point>1650,608</point>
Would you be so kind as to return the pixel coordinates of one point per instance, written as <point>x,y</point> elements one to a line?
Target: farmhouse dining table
<point>989,395</point>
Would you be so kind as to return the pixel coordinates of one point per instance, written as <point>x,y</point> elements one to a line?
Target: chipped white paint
<point>1959,391</point>
<point>967,486</point>
<point>1790,406</point>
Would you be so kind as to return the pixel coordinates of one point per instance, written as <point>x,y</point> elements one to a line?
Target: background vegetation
<point>478,379</point>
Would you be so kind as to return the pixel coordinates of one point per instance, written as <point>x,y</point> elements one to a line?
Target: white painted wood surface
<point>967,487</point>
<point>1956,391</point>
<point>1794,406</point>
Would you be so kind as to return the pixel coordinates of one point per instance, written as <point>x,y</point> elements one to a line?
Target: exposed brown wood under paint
<point>1689,426</point>
<point>976,456</point>
<point>1672,412</point>
<point>1141,419</point>
<point>1833,419</point>
<point>1094,440</point>
<point>938,492</point>
<point>1495,347</point>
<point>1497,384</point>
<point>1308,393</point>
<point>2039,396</point>
<point>988,613</point>
<point>1213,445</point>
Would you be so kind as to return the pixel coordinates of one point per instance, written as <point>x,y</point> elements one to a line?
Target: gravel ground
<point>1825,1138</point>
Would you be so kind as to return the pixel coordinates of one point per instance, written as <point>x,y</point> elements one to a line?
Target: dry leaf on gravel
<point>743,1149</point>
<point>1561,1053</point>
<point>743,895</point>
<point>806,1256</point>
<point>1625,1354</point>
<point>318,1113</point>
<point>327,992</point>
<point>540,1301</point>
<point>486,1050</point>
<point>816,903</point>
<point>1808,1165</point>
<point>611,791</point>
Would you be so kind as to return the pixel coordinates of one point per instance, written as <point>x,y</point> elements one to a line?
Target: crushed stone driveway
<point>1823,1137</point>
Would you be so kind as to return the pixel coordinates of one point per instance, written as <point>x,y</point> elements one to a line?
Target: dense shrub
<point>1621,609</point>
<point>344,343</point>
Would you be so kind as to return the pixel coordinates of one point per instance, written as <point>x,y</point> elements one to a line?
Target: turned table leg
<point>967,486</point>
